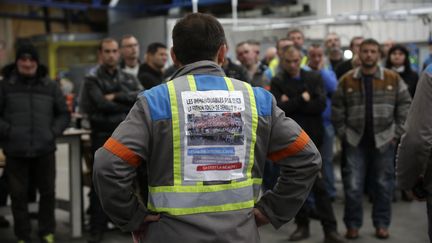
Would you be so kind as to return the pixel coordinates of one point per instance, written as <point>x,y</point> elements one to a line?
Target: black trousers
<point>98,218</point>
<point>44,171</point>
<point>324,208</point>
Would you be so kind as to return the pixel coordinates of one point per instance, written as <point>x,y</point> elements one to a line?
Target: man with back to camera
<point>369,108</point>
<point>414,170</point>
<point>213,136</point>
<point>109,94</point>
<point>151,72</point>
<point>130,51</point>
<point>33,113</point>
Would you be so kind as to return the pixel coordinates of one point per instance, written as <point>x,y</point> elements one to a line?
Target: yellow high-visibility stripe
<point>205,209</point>
<point>176,134</point>
<point>192,84</point>
<point>257,181</point>
<point>254,128</point>
<point>200,187</point>
<point>229,84</point>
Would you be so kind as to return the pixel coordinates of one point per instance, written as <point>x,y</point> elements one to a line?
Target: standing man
<point>248,57</point>
<point>369,108</point>
<point>204,138</point>
<point>274,66</point>
<point>300,94</point>
<point>4,223</point>
<point>110,94</point>
<point>354,62</point>
<point>33,113</point>
<point>297,37</point>
<point>316,63</point>
<point>130,52</point>
<point>151,72</point>
<point>333,50</point>
<point>414,170</point>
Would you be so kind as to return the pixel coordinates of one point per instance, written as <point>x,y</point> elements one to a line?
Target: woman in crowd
<point>398,60</point>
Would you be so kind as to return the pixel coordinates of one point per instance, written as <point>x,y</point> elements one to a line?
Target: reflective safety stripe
<point>176,134</point>
<point>254,128</point>
<point>205,209</point>
<point>229,84</point>
<point>122,152</point>
<point>200,199</point>
<point>192,84</point>
<point>180,199</point>
<point>298,145</point>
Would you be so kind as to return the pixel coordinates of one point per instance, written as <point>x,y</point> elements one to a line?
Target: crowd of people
<point>362,102</point>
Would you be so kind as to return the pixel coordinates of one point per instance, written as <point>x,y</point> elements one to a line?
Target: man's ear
<point>220,57</point>
<point>174,58</point>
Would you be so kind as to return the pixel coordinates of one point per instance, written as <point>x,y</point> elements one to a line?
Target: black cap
<point>28,51</point>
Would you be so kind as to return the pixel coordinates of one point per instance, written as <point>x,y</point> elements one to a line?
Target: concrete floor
<point>409,223</point>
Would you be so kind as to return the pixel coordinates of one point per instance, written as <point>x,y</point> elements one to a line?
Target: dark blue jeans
<point>326,151</point>
<point>379,163</point>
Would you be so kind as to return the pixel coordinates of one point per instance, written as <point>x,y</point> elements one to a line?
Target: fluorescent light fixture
<point>421,10</point>
<point>113,3</point>
<point>348,54</point>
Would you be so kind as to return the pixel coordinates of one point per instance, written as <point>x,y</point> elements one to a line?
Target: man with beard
<point>151,72</point>
<point>333,50</point>
<point>368,111</point>
<point>130,51</point>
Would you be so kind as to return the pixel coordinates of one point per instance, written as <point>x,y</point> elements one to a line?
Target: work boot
<point>95,237</point>
<point>382,233</point>
<point>333,237</point>
<point>301,233</point>
<point>352,233</point>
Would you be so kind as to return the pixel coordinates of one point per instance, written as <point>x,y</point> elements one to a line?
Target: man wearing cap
<point>33,113</point>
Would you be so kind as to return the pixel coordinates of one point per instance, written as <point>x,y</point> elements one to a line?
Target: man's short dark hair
<point>294,30</point>
<point>280,40</point>
<point>370,41</point>
<point>153,47</point>
<point>105,40</point>
<point>127,36</point>
<point>354,39</point>
<point>197,37</point>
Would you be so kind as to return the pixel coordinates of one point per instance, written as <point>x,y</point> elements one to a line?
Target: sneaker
<point>49,238</point>
<point>23,241</point>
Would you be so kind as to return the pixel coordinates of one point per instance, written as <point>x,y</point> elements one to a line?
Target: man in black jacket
<point>33,113</point>
<point>109,94</point>
<point>151,73</point>
<point>301,95</point>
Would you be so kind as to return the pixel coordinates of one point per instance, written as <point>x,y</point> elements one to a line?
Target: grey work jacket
<point>415,150</point>
<point>147,133</point>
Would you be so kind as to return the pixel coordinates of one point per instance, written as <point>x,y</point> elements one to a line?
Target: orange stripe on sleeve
<point>295,147</point>
<point>122,152</point>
